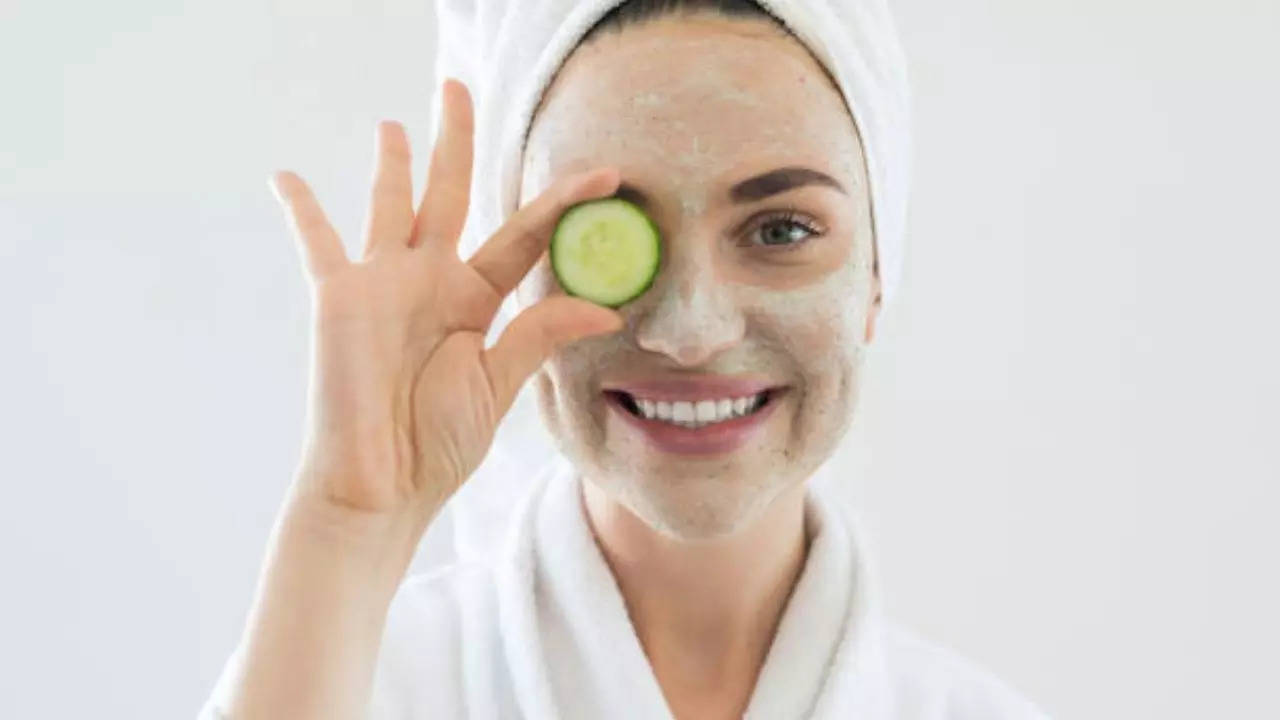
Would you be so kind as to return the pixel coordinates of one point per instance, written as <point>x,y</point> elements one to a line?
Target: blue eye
<point>782,230</point>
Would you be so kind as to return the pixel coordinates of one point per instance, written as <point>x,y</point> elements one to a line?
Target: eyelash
<point>789,216</point>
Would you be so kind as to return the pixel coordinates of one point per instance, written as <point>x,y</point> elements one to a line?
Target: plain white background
<point>1067,453</point>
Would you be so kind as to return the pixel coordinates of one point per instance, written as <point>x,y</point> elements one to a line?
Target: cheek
<point>819,334</point>
<point>825,348</point>
<point>816,316</point>
<point>572,374</point>
<point>819,327</point>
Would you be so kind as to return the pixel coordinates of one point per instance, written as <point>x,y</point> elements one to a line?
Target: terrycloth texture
<point>507,51</point>
<point>579,625</point>
<point>542,632</point>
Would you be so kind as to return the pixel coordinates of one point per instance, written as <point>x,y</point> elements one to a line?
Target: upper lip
<point>692,387</point>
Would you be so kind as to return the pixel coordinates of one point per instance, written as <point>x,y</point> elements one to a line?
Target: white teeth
<point>696,413</point>
<point>724,409</point>
<point>663,410</point>
<point>705,411</point>
<point>682,411</point>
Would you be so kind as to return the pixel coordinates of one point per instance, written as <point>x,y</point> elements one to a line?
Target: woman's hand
<point>404,398</point>
<point>403,404</point>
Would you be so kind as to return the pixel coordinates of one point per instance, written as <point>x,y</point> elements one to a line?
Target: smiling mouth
<point>693,413</point>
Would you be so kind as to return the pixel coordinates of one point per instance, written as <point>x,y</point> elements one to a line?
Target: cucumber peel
<point>605,250</point>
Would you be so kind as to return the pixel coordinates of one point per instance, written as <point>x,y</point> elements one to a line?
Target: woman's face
<point>746,299</point>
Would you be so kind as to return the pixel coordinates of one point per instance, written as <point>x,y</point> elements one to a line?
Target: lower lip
<point>721,437</point>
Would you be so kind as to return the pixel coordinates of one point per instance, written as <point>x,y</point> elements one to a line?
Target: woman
<point>676,561</point>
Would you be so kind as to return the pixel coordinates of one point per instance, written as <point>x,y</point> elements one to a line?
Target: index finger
<point>511,252</point>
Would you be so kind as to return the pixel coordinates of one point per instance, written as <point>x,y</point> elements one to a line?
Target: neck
<point>705,611</point>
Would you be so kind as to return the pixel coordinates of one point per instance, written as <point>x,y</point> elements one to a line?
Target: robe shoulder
<point>440,645</point>
<point>933,681</point>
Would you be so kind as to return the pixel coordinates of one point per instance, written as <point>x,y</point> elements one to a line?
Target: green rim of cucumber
<point>606,250</point>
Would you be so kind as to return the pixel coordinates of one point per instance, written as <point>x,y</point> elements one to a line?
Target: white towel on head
<point>507,51</point>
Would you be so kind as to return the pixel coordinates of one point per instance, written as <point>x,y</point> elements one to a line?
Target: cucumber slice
<point>605,250</point>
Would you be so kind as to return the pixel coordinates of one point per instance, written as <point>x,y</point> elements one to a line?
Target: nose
<point>688,315</point>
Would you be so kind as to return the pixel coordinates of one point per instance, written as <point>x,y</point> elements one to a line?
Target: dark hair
<point>636,12</point>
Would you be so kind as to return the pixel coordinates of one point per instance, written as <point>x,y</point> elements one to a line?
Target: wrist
<point>380,544</point>
<point>317,620</point>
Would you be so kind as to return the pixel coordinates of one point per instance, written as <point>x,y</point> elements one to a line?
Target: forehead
<point>699,99</point>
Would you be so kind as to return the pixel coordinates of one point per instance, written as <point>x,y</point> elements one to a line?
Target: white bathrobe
<point>541,631</point>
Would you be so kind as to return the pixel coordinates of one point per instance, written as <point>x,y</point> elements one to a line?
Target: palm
<point>405,398</point>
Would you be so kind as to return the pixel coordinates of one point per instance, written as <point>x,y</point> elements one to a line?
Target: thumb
<point>534,334</point>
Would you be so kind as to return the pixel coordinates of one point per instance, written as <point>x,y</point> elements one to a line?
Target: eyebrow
<point>752,189</point>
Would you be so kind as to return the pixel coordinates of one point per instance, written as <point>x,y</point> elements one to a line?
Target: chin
<point>685,504</point>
